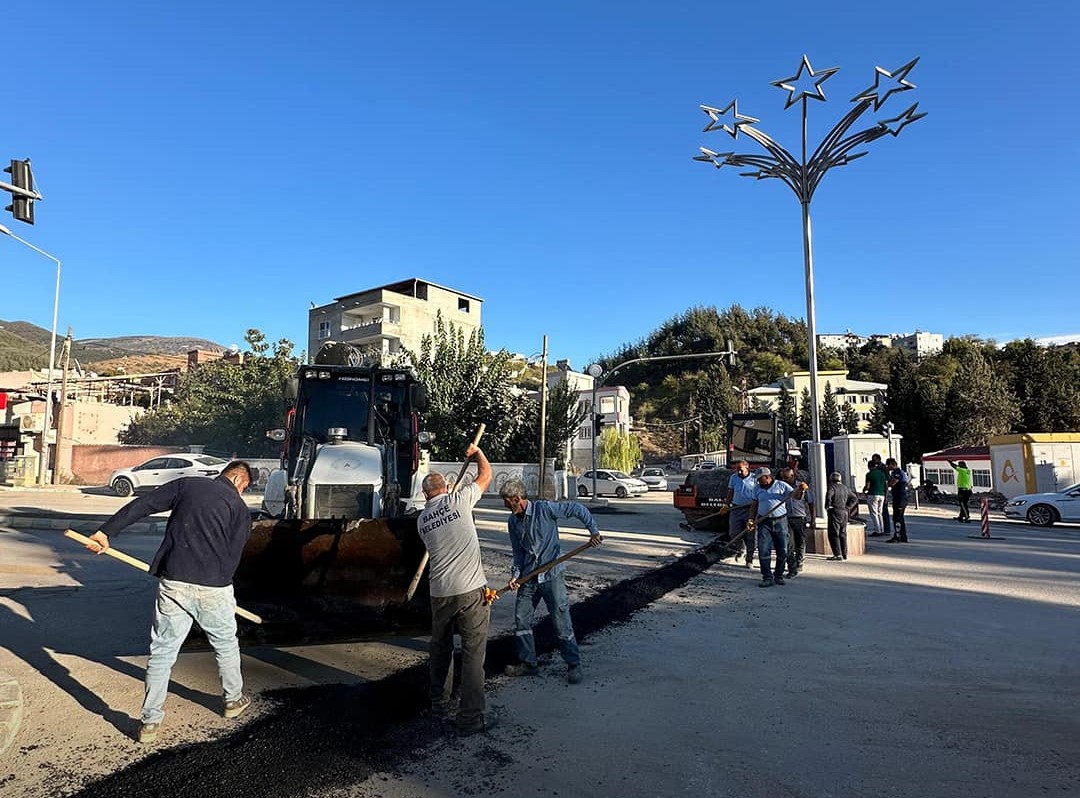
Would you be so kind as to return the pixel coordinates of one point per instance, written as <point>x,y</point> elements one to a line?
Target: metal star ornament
<point>717,159</point>
<point>905,119</point>
<point>718,119</point>
<point>898,77</point>
<point>799,86</point>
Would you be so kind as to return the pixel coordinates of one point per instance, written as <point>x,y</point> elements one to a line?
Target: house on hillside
<point>391,317</point>
<point>860,394</point>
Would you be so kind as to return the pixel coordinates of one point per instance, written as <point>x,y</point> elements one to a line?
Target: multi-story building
<point>860,394</point>
<point>391,317</point>
<point>847,340</point>
<point>920,343</point>
<point>613,405</point>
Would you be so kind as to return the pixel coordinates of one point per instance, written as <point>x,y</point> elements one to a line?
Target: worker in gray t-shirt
<point>457,592</point>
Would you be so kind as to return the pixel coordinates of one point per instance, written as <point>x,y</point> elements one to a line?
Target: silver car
<point>611,483</point>
<point>159,470</point>
<point>655,478</point>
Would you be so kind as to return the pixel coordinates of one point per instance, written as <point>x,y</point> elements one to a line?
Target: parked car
<point>706,465</point>
<point>159,470</point>
<point>655,478</point>
<point>1043,509</point>
<point>609,482</point>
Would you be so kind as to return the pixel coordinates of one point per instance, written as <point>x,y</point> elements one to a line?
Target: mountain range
<point>24,346</point>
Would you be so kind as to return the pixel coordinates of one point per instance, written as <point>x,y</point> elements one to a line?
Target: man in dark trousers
<point>768,517</point>
<point>534,539</point>
<point>799,512</point>
<point>195,563</point>
<point>839,499</point>
<point>898,485</point>
<point>963,490</point>
<point>457,593</point>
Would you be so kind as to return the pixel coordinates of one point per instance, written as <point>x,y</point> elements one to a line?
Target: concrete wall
<point>554,482</point>
<point>93,464</point>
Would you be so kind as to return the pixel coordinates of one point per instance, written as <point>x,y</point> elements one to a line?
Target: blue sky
<point>210,167</point>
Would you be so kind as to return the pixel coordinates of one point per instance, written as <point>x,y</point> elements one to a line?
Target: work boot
<point>778,579</point>
<point>766,582</point>
<point>148,732</point>
<point>574,674</point>
<point>482,724</point>
<point>234,709</point>
<point>522,669</point>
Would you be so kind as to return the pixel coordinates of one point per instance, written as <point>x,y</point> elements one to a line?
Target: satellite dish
<point>234,349</point>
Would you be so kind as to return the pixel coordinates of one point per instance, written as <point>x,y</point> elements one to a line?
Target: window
<point>864,416</point>
<point>584,433</point>
<point>944,476</point>
<point>463,304</point>
<point>324,330</point>
<point>980,478</point>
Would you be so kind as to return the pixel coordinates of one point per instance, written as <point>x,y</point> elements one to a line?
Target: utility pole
<point>543,417</point>
<point>60,411</point>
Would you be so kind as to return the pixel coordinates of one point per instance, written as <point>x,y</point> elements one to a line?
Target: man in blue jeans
<point>195,563</point>
<point>534,539</point>
<point>768,516</point>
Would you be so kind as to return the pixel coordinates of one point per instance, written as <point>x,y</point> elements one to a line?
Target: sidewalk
<point>11,710</point>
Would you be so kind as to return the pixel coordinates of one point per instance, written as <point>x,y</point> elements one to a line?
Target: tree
<point>786,410</point>
<point>617,450</point>
<point>849,420</point>
<point>805,427</point>
<point>1046,383</point>
<point>830,414</point>
<point>468,386</point>
<point>223,406</point>
<point>565,414</point>
<point>980,403</point>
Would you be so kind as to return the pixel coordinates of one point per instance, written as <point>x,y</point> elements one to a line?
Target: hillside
<point>24,345</point>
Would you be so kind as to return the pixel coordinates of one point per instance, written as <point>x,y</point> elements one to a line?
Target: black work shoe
<point>234,709</point>
<point>148,732</point>
<point>766,582</point>
<point>574,674</point>
<point>778,579</point>
<point>522,669</point>
<point>484,724</point>
<point>792,574</point>
<point>834,557</point>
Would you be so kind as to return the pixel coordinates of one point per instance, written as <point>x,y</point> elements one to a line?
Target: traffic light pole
<point>599,376</point>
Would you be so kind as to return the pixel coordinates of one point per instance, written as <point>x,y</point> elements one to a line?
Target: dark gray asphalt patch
<point>314,739</point>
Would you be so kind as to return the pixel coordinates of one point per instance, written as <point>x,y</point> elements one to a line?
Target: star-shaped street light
<point>811,84</point>
<point>839,147</point>
<point>898,77</point>
<point>905,119</point>
<point>718,119</point>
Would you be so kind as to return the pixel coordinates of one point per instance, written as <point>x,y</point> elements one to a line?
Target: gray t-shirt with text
<point>447,529</point>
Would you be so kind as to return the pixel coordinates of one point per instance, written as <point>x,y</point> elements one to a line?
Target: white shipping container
<point>852,453</point>
<point>1035,462</point>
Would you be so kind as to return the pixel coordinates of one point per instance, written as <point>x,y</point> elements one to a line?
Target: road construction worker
<point>768,517</point>
<point>458,585</point>
<point>204,538</point>
<point>799,512</point>
<point>740,494</point>
<point>534,539</point>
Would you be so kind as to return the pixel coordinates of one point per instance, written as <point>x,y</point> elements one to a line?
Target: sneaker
<point>574,674</point>
<point>522,669</point>
<point>234,709</point>
<point>779,580</point>
<point>148,732</point>
<point>482,724</point>
<point>768,582</point>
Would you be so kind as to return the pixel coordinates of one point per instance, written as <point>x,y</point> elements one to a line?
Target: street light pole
<point>804,175</point>
<point>43,462</point>
<point>543,417</point>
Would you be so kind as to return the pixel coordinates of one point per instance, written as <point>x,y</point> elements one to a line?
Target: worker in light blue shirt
<point>534,539</point>
<point>741,487</point>
<point>768,515</point>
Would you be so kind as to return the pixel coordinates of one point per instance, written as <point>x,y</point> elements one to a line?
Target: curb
<point>11,711</point>
<point>84,524</point>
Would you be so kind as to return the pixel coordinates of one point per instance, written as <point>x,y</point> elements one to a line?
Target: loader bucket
<point>360,563</point>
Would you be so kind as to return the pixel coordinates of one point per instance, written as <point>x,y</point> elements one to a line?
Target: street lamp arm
<point>610,372</point>
<point>839,129</point>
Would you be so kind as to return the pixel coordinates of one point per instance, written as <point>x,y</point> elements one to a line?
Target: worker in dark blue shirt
<point>204,538</point>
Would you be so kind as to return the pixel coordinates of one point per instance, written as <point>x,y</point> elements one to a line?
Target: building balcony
<point>371,331</point>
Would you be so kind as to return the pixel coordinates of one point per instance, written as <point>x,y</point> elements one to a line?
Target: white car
<point>1043,509</point>
<point>611,482</point>
<point>654,478</point>
<point>159,470</point>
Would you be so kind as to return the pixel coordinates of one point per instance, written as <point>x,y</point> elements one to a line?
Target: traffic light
<point>730,357</point>
<point>22,206</point>
<point>598,424</point>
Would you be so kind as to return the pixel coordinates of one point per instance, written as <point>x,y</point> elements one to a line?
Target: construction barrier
<point>985,531</point>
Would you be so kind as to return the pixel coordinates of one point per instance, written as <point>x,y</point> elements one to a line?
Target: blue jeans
<point>179,604</point>
<point>553,592</point>
<point>772,532</point>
